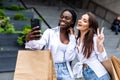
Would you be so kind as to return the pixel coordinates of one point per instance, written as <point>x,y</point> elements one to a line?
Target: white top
<point>92,61</point>
<point>51,40</point>
<point>61,52</point>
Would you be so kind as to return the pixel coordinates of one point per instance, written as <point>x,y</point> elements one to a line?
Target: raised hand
<point>100,36</point>
<point>71,30</point>
<point>100,40</point>
<point>34,34</point>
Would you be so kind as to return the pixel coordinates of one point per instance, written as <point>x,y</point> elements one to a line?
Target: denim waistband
<point>60,64</point>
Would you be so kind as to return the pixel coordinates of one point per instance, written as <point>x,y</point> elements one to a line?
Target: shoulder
<point>52,30</point>
<point>55,28</point>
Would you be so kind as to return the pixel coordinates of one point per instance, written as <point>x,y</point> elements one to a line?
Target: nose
<point>63,18</point>
<point>79,21</point>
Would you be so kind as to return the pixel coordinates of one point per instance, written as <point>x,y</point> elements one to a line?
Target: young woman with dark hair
<point>60,40</point>
<point>90,49</point>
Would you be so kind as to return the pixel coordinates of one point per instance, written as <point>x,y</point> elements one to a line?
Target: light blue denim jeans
<point>62,72</point>
<point>89,74</point>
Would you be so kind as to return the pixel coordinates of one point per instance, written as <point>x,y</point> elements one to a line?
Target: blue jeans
<point>89,74</point>
<point>62,72</point>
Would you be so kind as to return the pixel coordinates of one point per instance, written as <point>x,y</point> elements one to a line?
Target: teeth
<point>62,23</point>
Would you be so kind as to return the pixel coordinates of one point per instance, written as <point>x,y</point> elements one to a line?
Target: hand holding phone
<point>36,27</point>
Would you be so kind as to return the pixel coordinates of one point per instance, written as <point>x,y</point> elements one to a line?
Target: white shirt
<point>51,40</point>
<point>93,61</point>
<point>61,52</point>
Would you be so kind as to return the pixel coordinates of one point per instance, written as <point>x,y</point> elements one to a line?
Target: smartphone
<point>35,22</point>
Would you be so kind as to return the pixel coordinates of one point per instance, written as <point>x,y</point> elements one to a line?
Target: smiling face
<point>83,23</point>
<point>65,20</point>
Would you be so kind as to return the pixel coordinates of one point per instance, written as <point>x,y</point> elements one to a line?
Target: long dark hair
<point>74,16</point>
<point>88,39</point>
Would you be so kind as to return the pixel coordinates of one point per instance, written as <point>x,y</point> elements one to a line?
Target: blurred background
<point>15,23</point>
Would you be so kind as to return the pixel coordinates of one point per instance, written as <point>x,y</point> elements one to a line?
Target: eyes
<point>66,17</point>
<point>84,18</point>
<point>85,21</point>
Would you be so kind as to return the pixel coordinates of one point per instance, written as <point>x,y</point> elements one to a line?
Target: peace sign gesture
<point>100,36</point>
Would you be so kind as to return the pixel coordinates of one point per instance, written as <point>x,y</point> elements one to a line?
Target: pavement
<point>51,15</point>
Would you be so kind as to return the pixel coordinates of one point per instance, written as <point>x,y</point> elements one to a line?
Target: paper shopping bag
<point>109,64</point>
<point>34,65</point>
<point>116,64</point>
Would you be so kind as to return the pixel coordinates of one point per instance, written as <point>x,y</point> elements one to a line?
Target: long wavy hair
<point>88,39</point>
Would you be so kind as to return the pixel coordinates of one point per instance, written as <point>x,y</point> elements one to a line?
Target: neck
<point>82,36</point>
<point>64,36</point>
<point>63,31</point>
<point>83,33</point>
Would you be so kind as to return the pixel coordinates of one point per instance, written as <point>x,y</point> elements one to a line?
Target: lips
<point>79,25</point>
<point>62,23</point>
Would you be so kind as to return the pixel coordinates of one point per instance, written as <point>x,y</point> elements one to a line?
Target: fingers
<point>71,30</point>
<point>32,37</point>
<point>100,32</point>
<point>36,28</point>
<point>34,34</point>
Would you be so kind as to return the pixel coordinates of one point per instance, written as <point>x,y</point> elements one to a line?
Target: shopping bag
<point>116,64</point>
<point>110,64</point>
<point>34,65</point>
